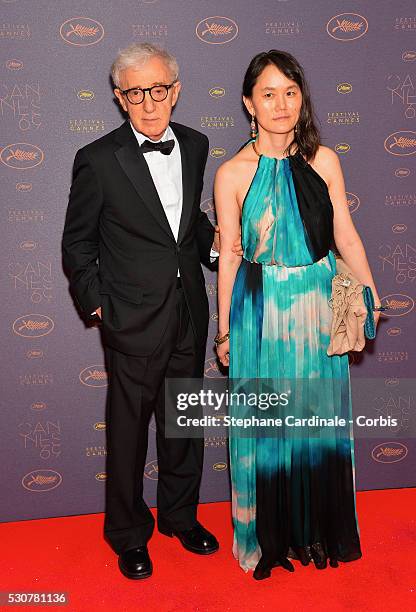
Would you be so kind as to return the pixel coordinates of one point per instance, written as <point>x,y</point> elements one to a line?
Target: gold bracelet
<point>220,339</point>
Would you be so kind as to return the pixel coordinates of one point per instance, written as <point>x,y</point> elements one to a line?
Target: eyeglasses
<point>158,93</point>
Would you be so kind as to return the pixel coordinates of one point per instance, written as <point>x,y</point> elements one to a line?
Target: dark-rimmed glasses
<point>158,93</point>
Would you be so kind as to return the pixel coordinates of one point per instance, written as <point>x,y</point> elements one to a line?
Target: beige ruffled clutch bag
<point>352,305</point>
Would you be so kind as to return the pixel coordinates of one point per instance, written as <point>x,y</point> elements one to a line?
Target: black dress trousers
<point>136,390</point>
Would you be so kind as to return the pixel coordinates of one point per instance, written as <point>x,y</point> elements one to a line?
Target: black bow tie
<point>164,147</point>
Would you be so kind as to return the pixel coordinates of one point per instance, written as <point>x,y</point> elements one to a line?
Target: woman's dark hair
<point>307,134</point>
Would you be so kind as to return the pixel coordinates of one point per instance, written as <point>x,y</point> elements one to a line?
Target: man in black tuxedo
<point>133,241</point>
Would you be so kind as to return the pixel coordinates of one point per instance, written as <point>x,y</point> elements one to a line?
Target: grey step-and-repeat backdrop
<point>55,96</point>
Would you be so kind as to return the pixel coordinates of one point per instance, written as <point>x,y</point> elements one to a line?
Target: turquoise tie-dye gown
<point>290,490</point>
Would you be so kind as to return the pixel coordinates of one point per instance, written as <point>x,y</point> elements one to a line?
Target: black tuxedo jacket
<point>118,247</point>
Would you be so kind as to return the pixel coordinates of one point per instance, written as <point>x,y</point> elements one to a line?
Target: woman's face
<point>275,101</point>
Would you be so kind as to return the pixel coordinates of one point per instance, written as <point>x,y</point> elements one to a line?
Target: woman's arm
<point>346,237</point>
<point>228,218</point>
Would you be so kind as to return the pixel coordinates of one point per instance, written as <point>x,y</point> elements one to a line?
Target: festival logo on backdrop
<point>392,356</point>
<point>409,56</point>
<point>14,64</point>
<point>36,380</point>
<point>33,326</point>
<point>394,331</point>
<point>207,206</point>
<point>400,259</point>
<point>399,228</point>
<point>24,187</point>
<point>86,126</point>
<point>38,406</point>
<point>342,147</point>
<point>399,305</point>
<point>33,277</point>
<point>28,245</point>
<point>220,466</point>
<point>402,92</point>
<point>217,122</point>
<point>15,31</point>
<point>344,88</point>
<point>343,118</point>
<point>44,437</point>
<point>21,102</point>
<point>402,172</point>
<point>15,215</point>
<point>405,23</point>
<point>21,156</point>
<point>217,92</point>
<point>151,470</point>
<point>287,27</point>
<point>40,481</point>
<point>396,403</point>
<point>217,152</point>
<point>150,31</point>
<point>217,30</point>
<point>389,452</point>
<point>400,200</point>
<point>211,368</point>
<point>81,31</point>
<point>215,441</point>
<point>347,26</point>
<point>85,95</point>
<point>35,354</point>
<point>392,381</point>
<point>96,451</point>
<point>353,201</point>
<point>101,476</point>
<point>401,143</point>
<point>94,376</point>
<point>211,289</point>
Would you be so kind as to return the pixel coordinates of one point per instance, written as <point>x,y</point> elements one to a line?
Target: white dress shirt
<point>166,172</point>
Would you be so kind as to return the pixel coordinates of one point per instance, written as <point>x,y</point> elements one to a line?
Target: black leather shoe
<point>197,539</point>
<point>135,563</point>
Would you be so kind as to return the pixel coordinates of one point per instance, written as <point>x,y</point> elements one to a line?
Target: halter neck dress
<point>293,488</point>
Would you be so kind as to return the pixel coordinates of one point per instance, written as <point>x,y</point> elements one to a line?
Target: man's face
<point>150,118</point>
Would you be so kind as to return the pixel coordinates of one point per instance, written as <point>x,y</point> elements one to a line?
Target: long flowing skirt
<point>293,488</point>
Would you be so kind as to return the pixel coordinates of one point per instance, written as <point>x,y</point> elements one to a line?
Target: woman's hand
<point>237,247</point>
<point>376,317</point>
<point>223,352</point>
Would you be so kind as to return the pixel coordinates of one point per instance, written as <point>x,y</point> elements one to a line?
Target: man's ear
<point>120,99</point>
<point>176,89</point>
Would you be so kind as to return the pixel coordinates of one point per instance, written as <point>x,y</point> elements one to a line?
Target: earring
<point>296,128</point>
<point>253,127</point>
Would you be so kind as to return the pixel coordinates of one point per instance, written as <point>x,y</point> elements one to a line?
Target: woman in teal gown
<point>293,489</point>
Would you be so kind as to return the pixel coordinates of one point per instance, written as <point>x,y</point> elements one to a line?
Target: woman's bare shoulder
<point>237,166</point>
<point>326,163</point>
<point>325,157</point>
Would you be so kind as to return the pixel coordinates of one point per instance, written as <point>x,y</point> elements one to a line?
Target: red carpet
<point>69,554</point>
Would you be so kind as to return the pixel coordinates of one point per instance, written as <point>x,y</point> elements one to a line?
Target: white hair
<point>136,55</point>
